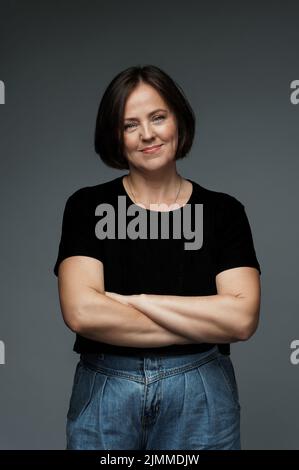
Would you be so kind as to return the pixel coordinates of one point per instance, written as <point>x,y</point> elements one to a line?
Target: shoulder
<point>92,194</point>
<point>217,199</point>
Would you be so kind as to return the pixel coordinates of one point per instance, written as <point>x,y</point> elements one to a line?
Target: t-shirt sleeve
<point>234,241</point>
<point>78,236</point>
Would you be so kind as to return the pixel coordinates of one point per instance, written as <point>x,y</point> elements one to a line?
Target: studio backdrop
<point>237,63</point>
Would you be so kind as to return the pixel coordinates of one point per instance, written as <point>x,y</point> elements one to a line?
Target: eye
<point>159,117</point>
<point>128,126</point>
<point>156,118</point>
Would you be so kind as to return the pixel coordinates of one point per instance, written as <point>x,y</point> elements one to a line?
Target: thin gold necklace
<point>134,199</point>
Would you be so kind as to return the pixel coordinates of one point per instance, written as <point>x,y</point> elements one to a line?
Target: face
<point>149,121</point>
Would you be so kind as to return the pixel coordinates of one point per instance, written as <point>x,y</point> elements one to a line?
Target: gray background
<point>235,62</point>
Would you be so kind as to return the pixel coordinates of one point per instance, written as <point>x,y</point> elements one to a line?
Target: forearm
<point>211,319</point>
<point>106,320</point>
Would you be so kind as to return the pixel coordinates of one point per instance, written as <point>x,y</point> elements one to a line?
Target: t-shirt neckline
<point>124,192</point>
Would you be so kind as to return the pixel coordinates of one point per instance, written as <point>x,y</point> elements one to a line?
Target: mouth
<point>153,149</point>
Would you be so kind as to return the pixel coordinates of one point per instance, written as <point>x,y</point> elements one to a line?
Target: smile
<point>154,149</point>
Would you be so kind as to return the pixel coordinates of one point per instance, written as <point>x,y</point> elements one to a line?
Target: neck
<point>154,187</point>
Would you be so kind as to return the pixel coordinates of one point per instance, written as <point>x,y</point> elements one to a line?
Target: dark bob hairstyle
<point>109,142</point>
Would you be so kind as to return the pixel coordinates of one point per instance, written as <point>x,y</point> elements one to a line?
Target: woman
<point>154,313</point>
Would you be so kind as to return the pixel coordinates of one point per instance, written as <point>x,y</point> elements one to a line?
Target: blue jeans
<point>180,402</point>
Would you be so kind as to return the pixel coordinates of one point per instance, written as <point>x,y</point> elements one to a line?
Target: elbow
<point>73,320</point>
<point>81,318</point>
<point>75,325</point>
<point>248,328</point>
<point>245,334</point>
<point>248,313</point>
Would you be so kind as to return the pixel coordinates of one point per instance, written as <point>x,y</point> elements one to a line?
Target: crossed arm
<point>229,316</point>
<point>150,320</point>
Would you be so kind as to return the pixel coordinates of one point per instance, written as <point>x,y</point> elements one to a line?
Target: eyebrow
<point>149,114</point>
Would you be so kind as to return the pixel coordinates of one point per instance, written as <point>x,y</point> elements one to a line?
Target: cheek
<point>170,132</point>
<point>129,142</point>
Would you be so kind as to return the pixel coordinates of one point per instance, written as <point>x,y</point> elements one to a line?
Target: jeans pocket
<point>82,390</point>
<point>227,369</point>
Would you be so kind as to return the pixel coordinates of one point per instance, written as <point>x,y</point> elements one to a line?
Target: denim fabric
<point>180,402</point>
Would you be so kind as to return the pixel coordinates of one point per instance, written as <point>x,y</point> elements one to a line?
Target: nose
<point>146,132</point>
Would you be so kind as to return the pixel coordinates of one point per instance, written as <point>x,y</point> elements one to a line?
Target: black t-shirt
<point>162,265</point>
